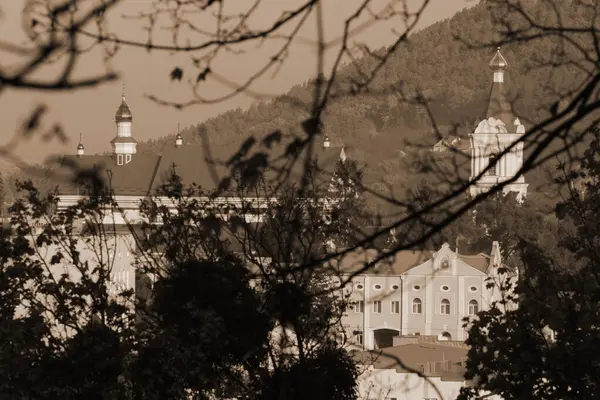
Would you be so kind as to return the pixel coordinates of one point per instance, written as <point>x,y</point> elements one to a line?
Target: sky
<point>90,112</point>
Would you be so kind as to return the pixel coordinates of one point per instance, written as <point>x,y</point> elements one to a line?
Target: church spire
<point>179,138</point>
<point>498,65</point>
<point>499,108</point>
<point>80,149</point>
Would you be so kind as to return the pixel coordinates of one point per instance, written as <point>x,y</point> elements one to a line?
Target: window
<point>416,288</point>
<point>119,159</point>
<point>377,307</point>
<point>445,307</point>
<point>377,287</point>
<point>359,286</point>
<point>473,289</point>
<point>359,307</point>
<point>395,287</point>
<point>417,306</point>
<point>492,167</point>
<point>395,309</point>
<point>445,263</point>
<point>444,288</point>
<point>473,307</point>
<point>358,338</point>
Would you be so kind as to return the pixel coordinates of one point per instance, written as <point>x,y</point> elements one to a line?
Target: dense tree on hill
<point>543,348</point>
<point>375,124</point>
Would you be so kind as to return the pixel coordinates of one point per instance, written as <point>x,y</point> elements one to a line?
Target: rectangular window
<point>395,307</point>
<point>359,307</point>
<point>377,307</point>
<point>358,338</point>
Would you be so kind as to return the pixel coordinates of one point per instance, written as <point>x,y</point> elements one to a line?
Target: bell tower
<point>498,131</point>
<point>124,145</point>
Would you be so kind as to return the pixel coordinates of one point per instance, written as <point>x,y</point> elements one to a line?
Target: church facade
<point>416,293</point>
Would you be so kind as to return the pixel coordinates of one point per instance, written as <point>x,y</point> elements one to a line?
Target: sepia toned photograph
<point>300,199</point>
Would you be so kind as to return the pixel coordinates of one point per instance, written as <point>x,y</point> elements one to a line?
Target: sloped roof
<point>133,178</point>
<point>145,173</point>
<point>123,113</point>
<point>123,139</point>
<point>399,263</point>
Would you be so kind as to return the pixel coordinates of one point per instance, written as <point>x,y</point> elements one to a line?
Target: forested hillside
<point>378,125</point>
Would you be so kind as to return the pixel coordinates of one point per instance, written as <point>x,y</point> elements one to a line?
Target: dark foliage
<point>545,347</point>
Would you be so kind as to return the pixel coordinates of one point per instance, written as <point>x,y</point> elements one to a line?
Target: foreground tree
<point>227,308</point>
<point>545,347</point>
<point>245,323</point>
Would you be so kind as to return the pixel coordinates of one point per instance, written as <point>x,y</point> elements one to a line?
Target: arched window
<point>492,167</point>
<point>445,307</point>
<point>473,307</point>
<point>417,306</point>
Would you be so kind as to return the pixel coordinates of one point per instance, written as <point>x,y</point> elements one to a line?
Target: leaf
<point>272,139</point>
<point>176,74</point>
<point>203,74</point>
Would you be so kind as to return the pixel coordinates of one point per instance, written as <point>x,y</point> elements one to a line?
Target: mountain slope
<point>377,126</point>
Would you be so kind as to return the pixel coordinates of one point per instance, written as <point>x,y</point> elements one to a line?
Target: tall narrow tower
<point>498,131</point>
<point>124,145</point>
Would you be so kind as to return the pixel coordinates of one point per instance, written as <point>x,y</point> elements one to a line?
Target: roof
<point>399,263</point>
<point>123,139</point>
<point>194,164</point>
<point>498,62</point>
<point>498,106</point>
<point>133,178</point>
<point>432,359</point>
<point>123,113</point>
<point>453,142</point>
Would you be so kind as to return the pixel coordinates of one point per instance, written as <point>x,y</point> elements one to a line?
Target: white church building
<point>496,153</point>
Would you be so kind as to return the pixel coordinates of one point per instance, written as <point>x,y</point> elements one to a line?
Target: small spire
<point>80,149</point>
<point>123,90</point>
<point>179,138</point>
<point>326,143</point>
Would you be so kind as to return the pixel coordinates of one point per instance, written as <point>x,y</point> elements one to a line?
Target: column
<point>367,334</point>
<point>429,306</point>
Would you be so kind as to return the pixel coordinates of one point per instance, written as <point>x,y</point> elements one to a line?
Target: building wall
<point>431,282</point>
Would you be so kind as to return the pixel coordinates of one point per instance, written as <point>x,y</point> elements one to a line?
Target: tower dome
<point>498,62</point>
<point>123,114</point>
<point>80,149</point>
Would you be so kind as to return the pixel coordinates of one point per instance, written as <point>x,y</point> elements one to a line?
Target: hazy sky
<point>91,111</point>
